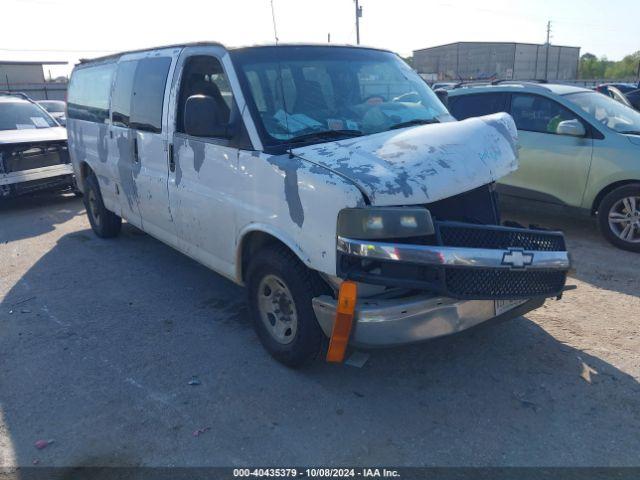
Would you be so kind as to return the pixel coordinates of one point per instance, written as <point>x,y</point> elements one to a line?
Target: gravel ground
<point>100,339</point>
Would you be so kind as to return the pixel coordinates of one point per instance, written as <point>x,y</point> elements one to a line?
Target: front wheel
<point>619,217</point>
<point>280,291</point>
<point>104,223</point>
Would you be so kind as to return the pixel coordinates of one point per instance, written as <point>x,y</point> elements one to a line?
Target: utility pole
<point>329,37</point>
<point>273,17</point>
<point>358,15</point>
<point>546,62</point>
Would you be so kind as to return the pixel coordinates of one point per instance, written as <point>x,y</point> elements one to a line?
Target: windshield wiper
<point>630,132</point>
<point>324,135</point>
<point>416,121</point>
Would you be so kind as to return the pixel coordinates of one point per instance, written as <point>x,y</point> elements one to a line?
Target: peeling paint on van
<point>423,164</point>
<point>198,154</point>
<point>127,170</point>
<point>101,144</point>
<point>290,165</point>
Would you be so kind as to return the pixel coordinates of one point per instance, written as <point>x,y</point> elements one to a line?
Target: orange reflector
<point>344,321</point>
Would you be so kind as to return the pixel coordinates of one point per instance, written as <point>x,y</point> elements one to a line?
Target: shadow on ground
<point>100,361</point>
<point>28,218</point>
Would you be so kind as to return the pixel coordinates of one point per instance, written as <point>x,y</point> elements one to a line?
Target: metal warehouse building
<point>28,77</point>
<point>513,61</point>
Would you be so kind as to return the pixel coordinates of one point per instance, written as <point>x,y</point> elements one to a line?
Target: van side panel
<point>203,197</point>
<point>298,202</point>
<point>88,127</point>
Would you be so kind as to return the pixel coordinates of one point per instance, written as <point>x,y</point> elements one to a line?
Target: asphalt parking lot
<point>99,341</point>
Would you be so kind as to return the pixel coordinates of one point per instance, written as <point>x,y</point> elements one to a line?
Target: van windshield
<point>313,94</point>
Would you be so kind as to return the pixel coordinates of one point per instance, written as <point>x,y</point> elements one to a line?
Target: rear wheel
<point>104,223</point>
<point>280,291</point>
<point>619,217</point>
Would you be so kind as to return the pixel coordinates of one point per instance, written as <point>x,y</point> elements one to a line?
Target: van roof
<point>115,56</point>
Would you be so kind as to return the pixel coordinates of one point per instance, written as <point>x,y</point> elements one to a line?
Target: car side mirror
<point>573,128</point>
<point>443,96</point>
<point>203,117</point>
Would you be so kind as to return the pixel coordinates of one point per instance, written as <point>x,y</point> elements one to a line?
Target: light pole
<point>546,62</point>
<point>358,15</point>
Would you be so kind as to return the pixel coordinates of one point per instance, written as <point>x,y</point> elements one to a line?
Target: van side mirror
<point>573,128</point>
<point>443,96</point>
<point>203,117</point>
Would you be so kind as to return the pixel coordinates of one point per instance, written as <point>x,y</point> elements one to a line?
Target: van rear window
<point>88,97</point>
<point>139,93</point>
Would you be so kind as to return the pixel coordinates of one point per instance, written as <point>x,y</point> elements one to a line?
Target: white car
<point>290,169</point>
<point>33,148</point>
<point>56,108</point>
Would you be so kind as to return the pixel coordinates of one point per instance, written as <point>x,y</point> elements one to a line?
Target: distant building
<point>513,61</point>
<point>28,77</point>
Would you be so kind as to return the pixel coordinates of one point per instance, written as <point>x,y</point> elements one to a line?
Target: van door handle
<point>172,162</point>
<point>135,150</point>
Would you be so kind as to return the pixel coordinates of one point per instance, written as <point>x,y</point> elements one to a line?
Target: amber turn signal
<point>347,297</point>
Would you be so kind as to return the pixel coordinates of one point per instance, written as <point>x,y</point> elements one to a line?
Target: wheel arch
<point>255,237</point>
<point>608,189</point>
<point>84,169</point>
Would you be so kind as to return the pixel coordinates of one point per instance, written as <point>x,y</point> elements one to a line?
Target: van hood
<point>423,164</point>
<point>27,135</point>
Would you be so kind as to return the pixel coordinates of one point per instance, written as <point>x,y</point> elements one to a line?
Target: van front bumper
<point>389,322</point>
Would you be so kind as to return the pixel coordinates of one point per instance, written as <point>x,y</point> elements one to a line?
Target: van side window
<point>535,113</point>
<point>203,75</point>
<point>476,105</point>
<point>148,94</point>
<point>122,93</point>
<point>88,97</point>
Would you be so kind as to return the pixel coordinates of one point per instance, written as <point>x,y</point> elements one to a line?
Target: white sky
<point>72,29</point>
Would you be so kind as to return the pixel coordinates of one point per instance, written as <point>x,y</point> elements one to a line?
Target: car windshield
<point>55,107</point>
<point>607,111</point>
<point>316,94</point>
<point>23,115</point>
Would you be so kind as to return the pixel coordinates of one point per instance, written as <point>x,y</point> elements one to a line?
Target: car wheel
<point>619,217</point>
<point>280,291</point>
<point>104,223</point>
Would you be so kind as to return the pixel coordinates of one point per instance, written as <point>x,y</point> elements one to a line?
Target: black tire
<point>611,203</point>
<point>104,223</point>
<point>303,284</point>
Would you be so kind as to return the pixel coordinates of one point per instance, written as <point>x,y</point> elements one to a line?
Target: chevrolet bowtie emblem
<point>517,258</point>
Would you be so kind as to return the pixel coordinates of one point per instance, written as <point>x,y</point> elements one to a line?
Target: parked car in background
<point>578,149</point>
<point>57,109</point>
<point>33,148</point>
<point>618,96</point>
<point>623,87</point>
<point>443,85</point>
<point>634,98</point>
<point>291,169</point>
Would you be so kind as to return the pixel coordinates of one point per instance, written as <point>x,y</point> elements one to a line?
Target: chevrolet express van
<point>292,168</point>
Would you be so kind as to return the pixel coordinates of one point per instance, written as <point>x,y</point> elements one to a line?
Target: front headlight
<point>387,222</point>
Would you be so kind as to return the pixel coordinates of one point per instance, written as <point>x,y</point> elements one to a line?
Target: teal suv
<point>578,149</point>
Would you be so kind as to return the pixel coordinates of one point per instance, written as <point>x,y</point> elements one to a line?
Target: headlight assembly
<point>387,222</point>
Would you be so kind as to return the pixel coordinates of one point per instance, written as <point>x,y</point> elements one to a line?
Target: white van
<point>291,168</point>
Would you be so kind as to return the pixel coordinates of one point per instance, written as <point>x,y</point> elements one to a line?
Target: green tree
<point>594,67</point>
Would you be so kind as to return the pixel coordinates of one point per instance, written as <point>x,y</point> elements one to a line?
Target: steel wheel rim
<point>624,219</point>
<point>93,206</point>
<point>277,309</point>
